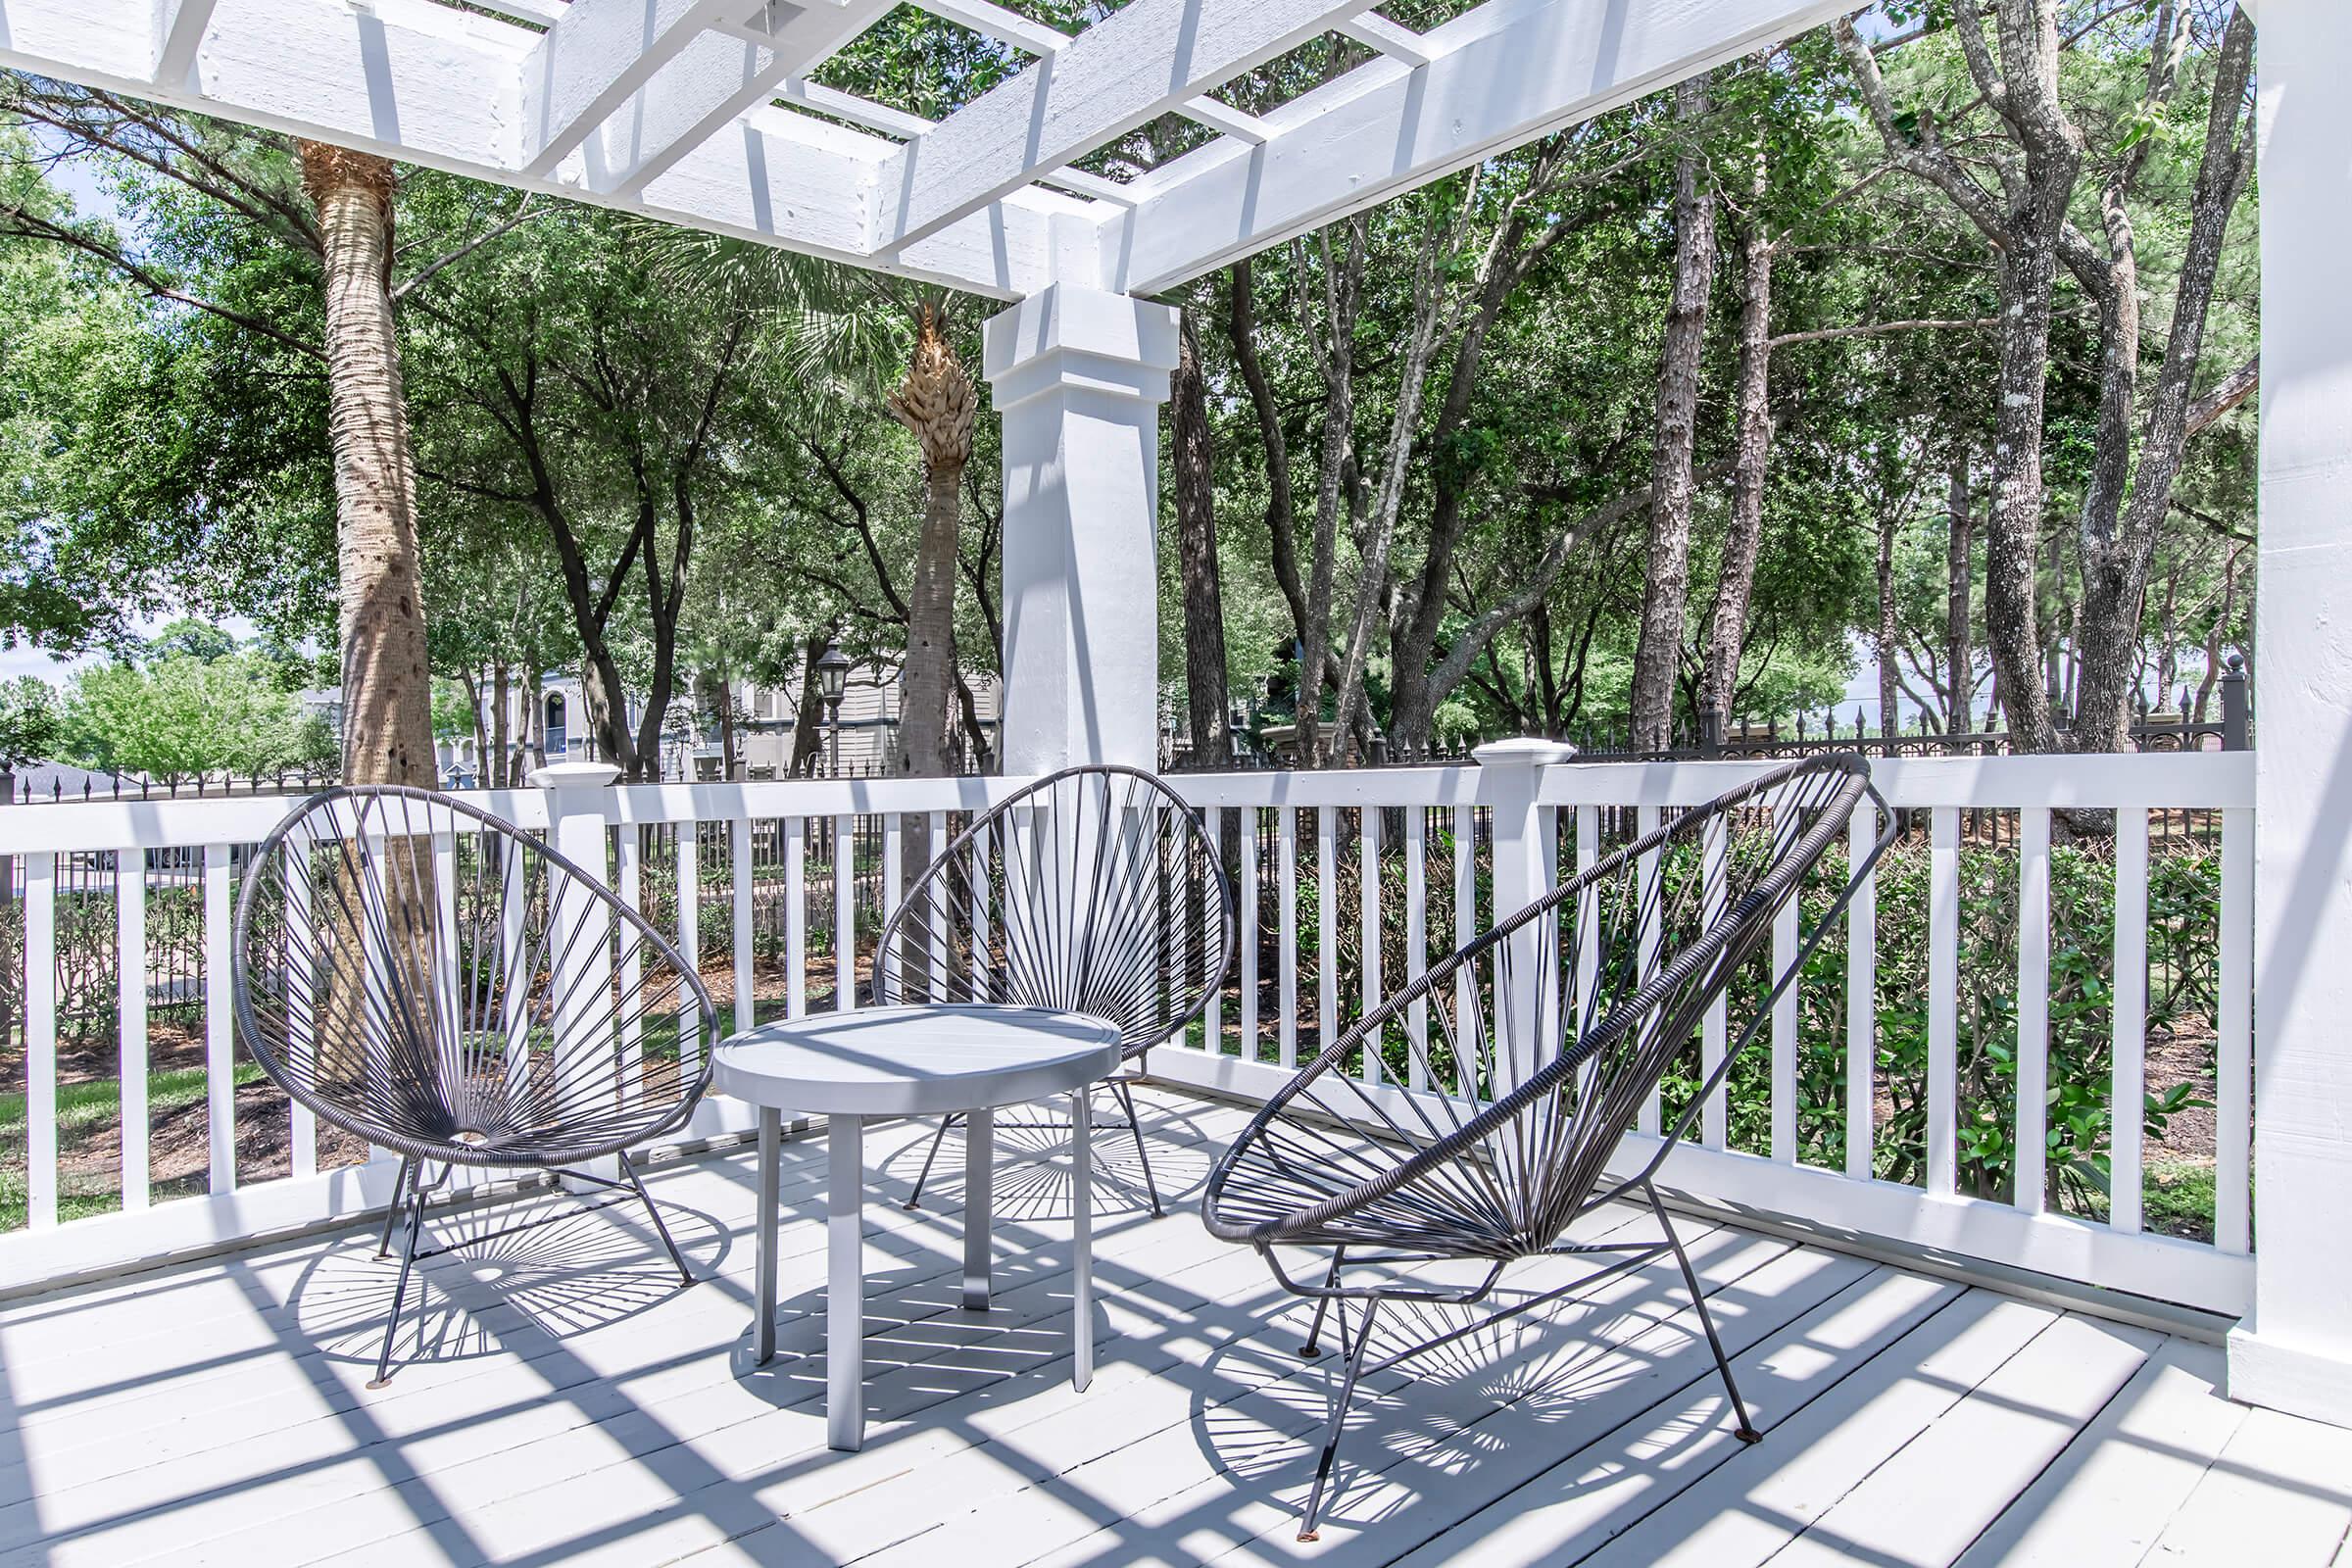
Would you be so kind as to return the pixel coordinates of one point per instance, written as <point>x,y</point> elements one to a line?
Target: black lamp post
<point>832,678</point>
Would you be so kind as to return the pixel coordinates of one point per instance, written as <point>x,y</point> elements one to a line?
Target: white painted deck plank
<point>2110,1496</point>
<point>1747,1510</point>
<point>1932,1499</point>
<point>2278,1496</point>
<point>653,1392</point>
<point>124,1385</point>
<point>214,1412</point>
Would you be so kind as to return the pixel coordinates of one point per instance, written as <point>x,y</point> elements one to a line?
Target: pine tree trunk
<point>1667,586</point>
<point>387,679</point>
<point>937,403</point>
<point>1196,550</point>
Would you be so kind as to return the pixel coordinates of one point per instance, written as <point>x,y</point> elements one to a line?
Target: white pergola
<point>700,111</point>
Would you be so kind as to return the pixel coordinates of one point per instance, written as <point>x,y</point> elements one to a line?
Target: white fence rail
<point>1431,846</point>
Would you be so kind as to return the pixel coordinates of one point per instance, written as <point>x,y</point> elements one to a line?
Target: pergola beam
<point>434,86</point>
<point>1143,61</point>
<point>1499,75</point>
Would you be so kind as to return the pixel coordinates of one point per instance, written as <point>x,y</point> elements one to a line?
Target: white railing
<point>1460,821</point>
<point>1431,843</point>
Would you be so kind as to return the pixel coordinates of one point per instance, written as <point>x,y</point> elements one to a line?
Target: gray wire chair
<point>440,983</point>
<point>1553,1031</point>
<point>1093,890</point>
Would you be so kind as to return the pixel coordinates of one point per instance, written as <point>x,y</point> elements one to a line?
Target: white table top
<point>915,1061</point>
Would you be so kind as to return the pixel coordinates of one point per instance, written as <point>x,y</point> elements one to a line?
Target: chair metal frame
<point>1041,965</point>
<point>1664,996</point>
<point>440,1085</point>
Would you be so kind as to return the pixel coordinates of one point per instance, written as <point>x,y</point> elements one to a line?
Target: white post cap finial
<point>574,775</point>
<point>1524,750</point>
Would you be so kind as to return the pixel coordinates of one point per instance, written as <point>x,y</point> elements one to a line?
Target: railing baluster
<point>1212,1005</point>
<point>1588,913</point>
<point>1943,995</point>
<point>2128,1090</point>
<point>1861,997</point>
<point>1646,819</point>
<point>628,886</point>
<point>687,837</point>
<point>1249,935</point>
<point>1465,930</point>
<point>738,876</point>
<point>845,914</point>
<point>40,1038</point>
<point>1715,1032</point>
<point>220,1039</point>
<point>1286,974</point>
<point>131,994</point>
<point>935,845</point>
<point>1416,936</point>
<point>1784,1036</point>
<point>2032,1008</point>
<point>1367,897</point>
<point>796,917</point>
<point>2233,1044</point>
<point>1327,947</point>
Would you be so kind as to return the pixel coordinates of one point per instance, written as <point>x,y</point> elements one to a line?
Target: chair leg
<point>914,1199</point>
<point>1118,1086</point>
<point>1745,1432</point>
<point>400,1186</point>
<point>685,1275</point>
<point>399,1292</point>
<point>1315,1334</point>
<point>1339,1420</point>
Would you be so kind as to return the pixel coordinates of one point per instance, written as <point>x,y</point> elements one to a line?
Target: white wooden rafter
<point>430,84</point>
<point>700,111</point>
<point>1496,76</point>
<point>1148,58</point>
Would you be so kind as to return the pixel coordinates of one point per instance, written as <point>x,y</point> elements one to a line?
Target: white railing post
<point>2294,1352</point>
<point>576,830</point>
<point>1512,774</point>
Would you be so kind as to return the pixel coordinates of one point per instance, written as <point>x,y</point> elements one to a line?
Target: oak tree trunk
<point>1192,458</point>
<point>1958,573</point>
<point>1667,584</point>
<point>1752,460</point>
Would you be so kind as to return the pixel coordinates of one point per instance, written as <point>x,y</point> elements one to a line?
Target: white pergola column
<point>1078,376</point>
<point>2295,1351</point>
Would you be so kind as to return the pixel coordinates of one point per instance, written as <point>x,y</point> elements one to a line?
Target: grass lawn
<point>87,1113</point>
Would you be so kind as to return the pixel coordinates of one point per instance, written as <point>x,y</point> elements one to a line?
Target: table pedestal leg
<point>771,1157</point>
<point>1081,1239</point>
<point>979,1202</point>
<point>845,1283</point>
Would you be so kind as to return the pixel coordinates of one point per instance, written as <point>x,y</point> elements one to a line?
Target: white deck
<point>573,1406</point>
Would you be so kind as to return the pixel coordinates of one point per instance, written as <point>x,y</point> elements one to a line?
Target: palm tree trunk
<point>387,728</point>
<point>937,403</point>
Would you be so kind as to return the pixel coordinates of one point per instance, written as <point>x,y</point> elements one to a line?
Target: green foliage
<point>181,717</point>
<point>29,721</point>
